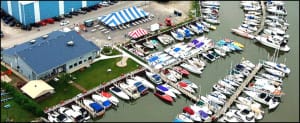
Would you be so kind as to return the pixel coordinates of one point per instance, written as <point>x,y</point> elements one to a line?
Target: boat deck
<point>236,94</point>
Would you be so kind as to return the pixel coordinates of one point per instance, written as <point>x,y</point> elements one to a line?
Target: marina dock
<point>262,22</point>
<point>185,92</point>
<point>236,94</point>
<point>94,90</point>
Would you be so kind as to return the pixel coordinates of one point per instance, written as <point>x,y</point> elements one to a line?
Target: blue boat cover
<point>96,106</point>
<point>176,49</point>
<point>162,88</point>
<point>106,103</point>
<point>200,44</point>
<point>152,59</point>
<point>177,120</point>
<point>203,114</point>
<point>195,41</point>
<point>156,77</point>
<point>116,89</point>
<point>187,33</point>
<point>179,35</point>
<point>141,88</point>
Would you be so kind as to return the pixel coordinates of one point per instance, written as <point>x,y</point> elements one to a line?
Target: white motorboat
<point>110,97</point>
<point>245,115</point>
<point>222,89</point>
<point>210,3</point>
<point>165,39</point>
<point>52,116</point>
<point>176,74</point>
<point>248,63</point>
<point>264,98</point>
<point>193,85</point>
<point>155,78</point>
<point>145,82</point>
<point>258,114</point>
<point>184,117</point>
<point>148,44</point>
<point>203,27</point>
<point>212,21</point>
<point>102,100</point>
<point>273,44</point>
<point>185,86</point>
<point>250,23</point>
<point>226,84</point>
<point>271,77</point>
<point>71,114</point>
<point>278,66</point>
<point>169,75</point>
<point>171,88</point>
<point>208,25</point>
<point>178,36</point>
<point>230,117</point>
<point>242,33</point>
<point>167,91</point>
<point>117,91</point>
<point>275,72</point>
<point>197,30</point>
<point>84,113</point>
<point>198,62</point>
<point>94,106</point>
<point>131,90</point>
<point>279,10</point>
<point>191,68</point>
<point>220,51</point>
<point>215,99</point>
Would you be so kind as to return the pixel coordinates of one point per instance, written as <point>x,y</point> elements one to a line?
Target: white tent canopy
<point>37,88</point>
<point>154,27</point>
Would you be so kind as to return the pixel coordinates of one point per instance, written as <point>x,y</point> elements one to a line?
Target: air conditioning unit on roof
<point>70,43</point>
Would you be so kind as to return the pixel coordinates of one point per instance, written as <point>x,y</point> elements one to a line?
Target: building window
<point>90,57</point>
<point>71,66</point>
<point>84,60</point>
<point>80,62</point>
<point>75,64</point>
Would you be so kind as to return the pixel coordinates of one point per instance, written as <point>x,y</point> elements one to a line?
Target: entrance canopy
<point>137,33</point>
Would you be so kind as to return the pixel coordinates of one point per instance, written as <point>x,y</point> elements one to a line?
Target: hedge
<point>25,102</point>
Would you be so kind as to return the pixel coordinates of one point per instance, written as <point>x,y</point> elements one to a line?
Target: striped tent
<point>123,16</point>
<point>137,33</point>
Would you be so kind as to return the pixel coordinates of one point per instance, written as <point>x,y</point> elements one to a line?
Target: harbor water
<point>151,108</point>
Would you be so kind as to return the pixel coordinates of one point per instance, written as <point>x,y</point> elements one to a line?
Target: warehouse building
<point>28,12</point>
<point>51,54</point>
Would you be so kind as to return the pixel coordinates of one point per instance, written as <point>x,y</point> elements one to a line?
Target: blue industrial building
<point>28,12</point>
<point>46,56</point>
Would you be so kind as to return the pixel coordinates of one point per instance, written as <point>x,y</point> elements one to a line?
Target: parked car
<point>104,3</point>
<point>35,25</point>
<point>95,7</point>
<point>8,19</point>
<point>12,23</point>
<point>26,27</point>
<point>50,21</point>
<point>64,23</point>
<point>82,12</point>
<point>86,9</point>
<point>42,23</point>
<point>68,15</point>
<point>73,13</point>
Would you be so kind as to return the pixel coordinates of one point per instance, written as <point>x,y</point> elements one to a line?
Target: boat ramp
<point>236,94</point>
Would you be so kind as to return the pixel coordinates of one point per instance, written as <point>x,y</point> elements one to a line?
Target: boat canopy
<point>188,110</point>
<point>162,88</point>
<point>156,77</point>
<point>176,49</point>
<point>203,114</point>
<point>152,59</point>
<point>116,89</point>
<point>106,103</point>
<point>96,106</point>
<point>195,41</point>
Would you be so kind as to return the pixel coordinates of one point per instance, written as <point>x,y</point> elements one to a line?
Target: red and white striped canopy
<point>137,33</point>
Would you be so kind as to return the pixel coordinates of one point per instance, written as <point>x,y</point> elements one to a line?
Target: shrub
<point>25,102</point>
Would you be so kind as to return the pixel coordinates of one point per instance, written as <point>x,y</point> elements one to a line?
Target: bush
<point>22,100</point>
<point>106,49</point>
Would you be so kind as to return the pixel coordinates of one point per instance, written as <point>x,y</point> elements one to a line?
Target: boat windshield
<point>116,89</point>
<point>162,88</point>
<point>156,77</point>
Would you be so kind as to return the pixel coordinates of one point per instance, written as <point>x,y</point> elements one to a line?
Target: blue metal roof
<point>53,51</point>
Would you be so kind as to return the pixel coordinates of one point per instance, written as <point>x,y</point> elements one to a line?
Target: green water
<point>150,108</point>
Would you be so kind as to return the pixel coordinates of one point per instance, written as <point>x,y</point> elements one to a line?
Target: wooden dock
<point>100,87</point>
<point>86,108</point>
<point>262,22</point>
<point>185,92</point>
<point>236,94</point>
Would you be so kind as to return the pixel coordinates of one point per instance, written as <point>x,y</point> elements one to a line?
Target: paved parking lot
<point>15,36</point>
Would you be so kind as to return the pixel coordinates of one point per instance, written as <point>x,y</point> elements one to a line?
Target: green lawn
<point>113,51</point>
<point>3,68</point>
<point>97,73</point>
<point>63,91</point>
<point>15,112</point>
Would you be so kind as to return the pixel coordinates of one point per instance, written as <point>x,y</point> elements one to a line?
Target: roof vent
<point>45,36</point>
<point>32,41</point>
<point>70,43</point>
